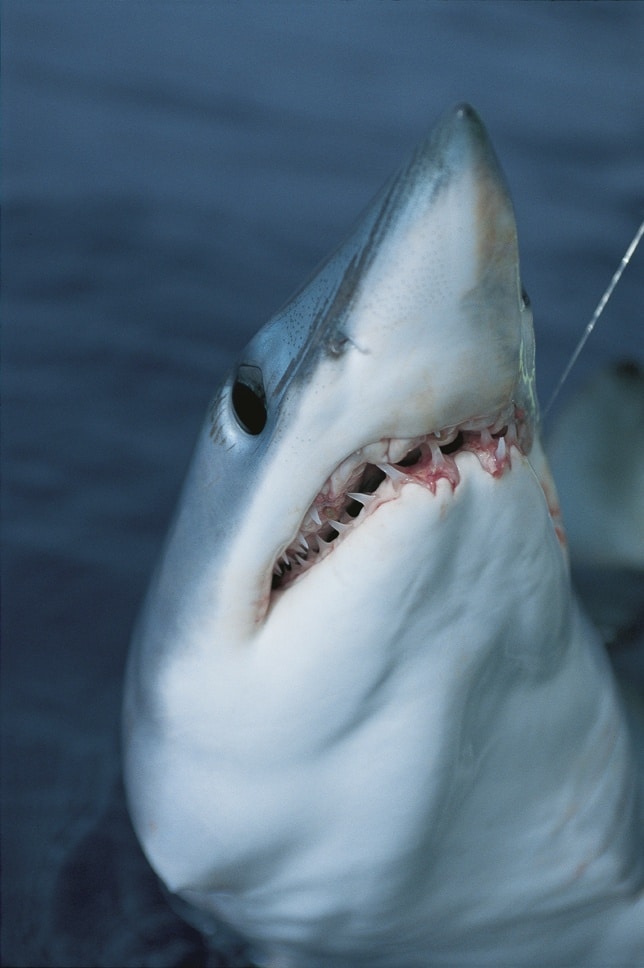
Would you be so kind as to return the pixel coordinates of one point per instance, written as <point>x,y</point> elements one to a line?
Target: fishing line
<point>626,258</point>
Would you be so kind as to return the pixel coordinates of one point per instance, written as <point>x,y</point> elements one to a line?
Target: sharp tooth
<point>299,559</point>
<point>338,525</point>
<point>303,543</point>
<point>285,559</point>
<point>363,499</point>
<point>391,472</point>
<point>438,457</point>
<point>500,449</point>
<point>277,571</point>
<point>314,514</point>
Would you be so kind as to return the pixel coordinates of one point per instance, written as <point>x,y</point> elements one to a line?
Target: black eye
<point>249,399</point>
<point>525,299</point>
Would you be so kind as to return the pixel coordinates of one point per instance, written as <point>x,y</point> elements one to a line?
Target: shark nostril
<point>454,445</point>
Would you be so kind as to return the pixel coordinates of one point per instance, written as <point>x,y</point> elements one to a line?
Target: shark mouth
<point>375,474</point>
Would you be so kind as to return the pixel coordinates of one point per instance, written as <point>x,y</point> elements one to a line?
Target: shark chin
<point>365,721</point>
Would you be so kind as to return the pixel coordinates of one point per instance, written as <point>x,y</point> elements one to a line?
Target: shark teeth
<point>314,514</point>
<point>364,499</point>
<point>375,474</point>
<point>391,472</point>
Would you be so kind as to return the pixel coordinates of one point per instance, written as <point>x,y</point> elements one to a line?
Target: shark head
<point>412,341</point>
<point>361,597</point>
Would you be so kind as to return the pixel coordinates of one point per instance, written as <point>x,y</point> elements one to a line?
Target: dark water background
<point>172,170</point>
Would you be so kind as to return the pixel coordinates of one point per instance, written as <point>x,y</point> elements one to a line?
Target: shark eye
<point>249,399</point>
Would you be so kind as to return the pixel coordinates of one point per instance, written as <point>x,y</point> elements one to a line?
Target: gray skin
<point>410,751</point>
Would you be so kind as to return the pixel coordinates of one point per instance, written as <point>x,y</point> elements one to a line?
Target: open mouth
<point>376,473</point>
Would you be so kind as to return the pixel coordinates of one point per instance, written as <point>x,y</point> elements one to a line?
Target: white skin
<point>414,754</point>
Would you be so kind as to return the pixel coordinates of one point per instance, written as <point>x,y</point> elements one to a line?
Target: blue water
<point>172,171</point>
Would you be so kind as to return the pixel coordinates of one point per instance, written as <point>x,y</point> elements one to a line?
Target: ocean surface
<point>171,172</point>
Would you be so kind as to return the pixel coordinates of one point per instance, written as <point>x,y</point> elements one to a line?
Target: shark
<point>366,722</point>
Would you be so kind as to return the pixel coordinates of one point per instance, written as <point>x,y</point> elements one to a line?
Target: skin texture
<point>412,751</point>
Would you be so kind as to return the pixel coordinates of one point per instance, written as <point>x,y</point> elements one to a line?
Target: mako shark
<point>366,722</point>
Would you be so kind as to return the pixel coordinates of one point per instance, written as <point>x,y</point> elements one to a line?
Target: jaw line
<point>375,474</point>
<point>402,556</point>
